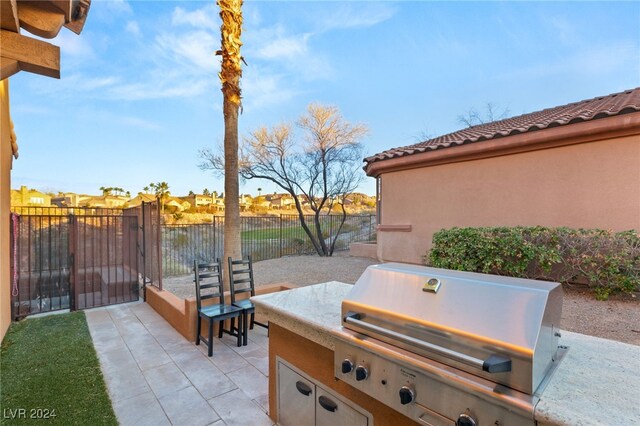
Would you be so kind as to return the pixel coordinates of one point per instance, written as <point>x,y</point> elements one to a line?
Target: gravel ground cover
<point>617,318</point>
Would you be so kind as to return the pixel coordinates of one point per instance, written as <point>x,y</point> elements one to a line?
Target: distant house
<point>576,165</point>
<point>69,199</point>
<point>139,199</point>
<point>29,197</point>
<point>261,203</point>
<point>199,200</point>
<point>246,201</point>
<point>282,202</point>
<point>218,202</point>
<point>176,204</point>
<point>104,201</point>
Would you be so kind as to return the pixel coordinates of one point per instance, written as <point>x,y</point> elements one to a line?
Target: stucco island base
<point>597,383</point>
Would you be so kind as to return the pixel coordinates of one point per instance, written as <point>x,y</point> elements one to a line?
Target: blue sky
<point>139,93</point>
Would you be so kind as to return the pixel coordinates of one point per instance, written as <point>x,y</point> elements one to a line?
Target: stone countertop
<point>311,312</point>
<point>597,383</point>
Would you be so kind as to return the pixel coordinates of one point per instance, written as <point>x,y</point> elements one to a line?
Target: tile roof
<point>576,112</point>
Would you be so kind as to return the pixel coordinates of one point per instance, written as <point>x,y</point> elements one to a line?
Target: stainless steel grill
<point>450,347</point>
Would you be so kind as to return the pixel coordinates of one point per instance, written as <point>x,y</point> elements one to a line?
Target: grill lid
<point>501,328</point>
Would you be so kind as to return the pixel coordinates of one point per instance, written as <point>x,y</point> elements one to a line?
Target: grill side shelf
<point>493,364</point>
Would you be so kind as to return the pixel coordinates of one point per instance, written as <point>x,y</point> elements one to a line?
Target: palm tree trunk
<point>232,241</point>
<point>231,30</point>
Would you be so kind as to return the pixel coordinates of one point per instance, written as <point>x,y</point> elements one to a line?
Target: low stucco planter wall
<point>365,249</point>
<point>182,313</point>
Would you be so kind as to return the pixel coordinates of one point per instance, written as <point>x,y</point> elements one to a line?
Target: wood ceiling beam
<point>9,15</point>
<point>8,67</point>
<point>41,18</point>
<point>32,55</point>
<point>79,12</point>
<point>65,6</point>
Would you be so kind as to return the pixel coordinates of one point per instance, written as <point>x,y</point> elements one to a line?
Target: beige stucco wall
<point>5,195</point>
<point>589,185</point>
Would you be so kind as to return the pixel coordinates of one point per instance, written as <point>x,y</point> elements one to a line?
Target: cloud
<point>285,47</point>
<point>74,85</point>
<point>140,123</point>
<point>133,28</point>
<point>191,48</point>
<point>263,89</point>
<point>205,17</point>
<point>32,109</point>
<point>181,60</point>
<point>116,6</point>
<point>160,88</point>
<point>73,45</point>
<point>84,83</point>
<point>592,61</point>
<point>356,15</point>
<point>278,50</point>
<point>563,29</point>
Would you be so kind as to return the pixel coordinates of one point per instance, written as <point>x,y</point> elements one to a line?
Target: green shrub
<point>607,261</point>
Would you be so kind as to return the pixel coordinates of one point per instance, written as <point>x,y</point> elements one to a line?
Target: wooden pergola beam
<point>8,67</point>
<point>65,6</point>
<point>9,15</point>
<point>31,55</point>
<point>41,18</point>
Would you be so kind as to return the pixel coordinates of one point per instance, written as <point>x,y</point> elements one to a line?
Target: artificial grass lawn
<point>49,366</point>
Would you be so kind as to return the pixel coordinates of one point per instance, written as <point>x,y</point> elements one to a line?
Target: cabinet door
<point>296,398</point>
<point>330,411</point>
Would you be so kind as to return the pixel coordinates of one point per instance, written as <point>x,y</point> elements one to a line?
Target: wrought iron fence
<point>65,211</point>
<point>149,243</point>
<point>72,262</point>
<point>263,237</point>
<point>78,258</point>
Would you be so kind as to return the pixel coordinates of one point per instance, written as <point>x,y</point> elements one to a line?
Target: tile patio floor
<point>157,377</point>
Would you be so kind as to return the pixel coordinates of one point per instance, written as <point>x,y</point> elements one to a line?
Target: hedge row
<point>607,261</point>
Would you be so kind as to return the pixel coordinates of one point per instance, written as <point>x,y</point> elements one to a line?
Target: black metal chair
<point>215,312</point>
<point>241,281</point>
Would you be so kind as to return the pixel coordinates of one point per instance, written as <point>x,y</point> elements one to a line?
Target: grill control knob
<point>465,420</point>
<point>406,395</point>
<point>347,366</point>
<point>361,373</point>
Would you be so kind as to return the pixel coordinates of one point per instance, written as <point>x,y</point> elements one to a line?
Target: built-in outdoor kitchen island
<point>593,382</point>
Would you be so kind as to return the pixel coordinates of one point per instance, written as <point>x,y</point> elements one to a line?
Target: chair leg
<point>233,325</point>
<point>253,319</point>
<point>240,329</point>
<point>211,338</point>
<point>245,332</point>
<point>199,328</point>
<point>220,329</point>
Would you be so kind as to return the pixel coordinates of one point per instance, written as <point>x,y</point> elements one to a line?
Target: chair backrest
<point>241,277</point>
<point>208,277</point>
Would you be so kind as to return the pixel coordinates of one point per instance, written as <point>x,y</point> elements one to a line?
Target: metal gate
<point>72,261</point>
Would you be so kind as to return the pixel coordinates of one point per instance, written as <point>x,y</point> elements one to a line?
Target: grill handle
<point>493,364</point>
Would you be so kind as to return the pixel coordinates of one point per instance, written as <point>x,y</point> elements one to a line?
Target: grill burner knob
<point>361,373</point>
<point>465,420</point>
<point>406,395</point>
<point>347,366</point>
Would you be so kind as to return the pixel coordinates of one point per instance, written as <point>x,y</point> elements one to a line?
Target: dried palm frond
<point>231,30</point>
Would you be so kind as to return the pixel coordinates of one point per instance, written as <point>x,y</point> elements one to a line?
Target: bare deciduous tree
<point>492,112</point>
<point>318,168</point>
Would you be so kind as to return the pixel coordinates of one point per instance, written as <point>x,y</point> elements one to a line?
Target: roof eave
<point>588,131</point>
